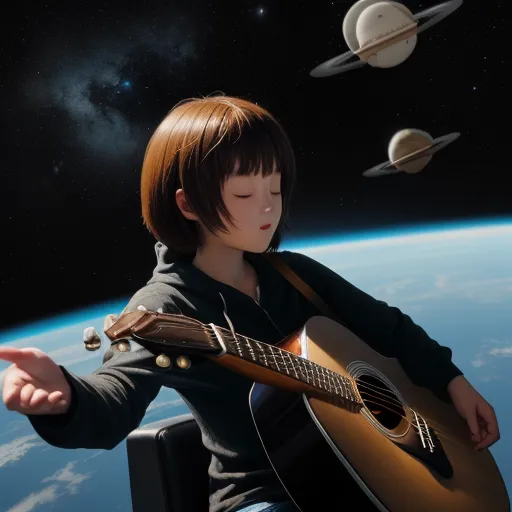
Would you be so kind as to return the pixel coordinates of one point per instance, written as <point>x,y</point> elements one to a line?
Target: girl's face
<point>255,205</point>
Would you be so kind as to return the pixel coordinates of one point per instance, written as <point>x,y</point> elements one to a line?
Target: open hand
<point>478,413</point>
<point>34,383</point>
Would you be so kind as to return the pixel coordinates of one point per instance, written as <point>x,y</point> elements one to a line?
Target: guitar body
<point>323,451</point>
<point>337,419</point>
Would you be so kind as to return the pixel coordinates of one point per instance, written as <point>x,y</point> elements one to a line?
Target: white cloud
<point>482,291</point>
<point>456,235</point>
<point>168,403</point>
<point>34,499</point>
<point>18,448</point>
<point>501,352</point>
<point>67,482</point>
<point>490,350</point>
<point>68,477</point>
<point>393,287</point>
<point>441,281</point>
<point>14,426</point>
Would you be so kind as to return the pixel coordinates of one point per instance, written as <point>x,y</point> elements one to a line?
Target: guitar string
<point>378,389</point>
<point>201,329</point>
<point>438,427</point>
<point>439,432</point>
<point>207,330</point>
<point>431,422</point>
<point>397,413</point>
<point>434,424</point>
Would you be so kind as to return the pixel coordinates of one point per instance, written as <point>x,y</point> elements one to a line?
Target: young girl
<point>215,189</point>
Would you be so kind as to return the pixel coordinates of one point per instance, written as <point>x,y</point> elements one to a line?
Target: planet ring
<point>389,167</point>
<point>436,13</point>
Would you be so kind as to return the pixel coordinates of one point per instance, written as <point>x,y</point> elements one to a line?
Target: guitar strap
<point>296,281</point>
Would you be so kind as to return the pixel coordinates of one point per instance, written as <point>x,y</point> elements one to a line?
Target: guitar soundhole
<point>381,401</point>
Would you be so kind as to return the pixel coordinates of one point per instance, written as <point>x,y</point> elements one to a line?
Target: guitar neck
<point>268,364</point>
<point>282,367</point>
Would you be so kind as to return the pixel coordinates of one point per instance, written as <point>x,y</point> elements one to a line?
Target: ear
<point>183,205</point>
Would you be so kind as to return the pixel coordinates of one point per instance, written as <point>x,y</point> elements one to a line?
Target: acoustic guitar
<point>338,421</point>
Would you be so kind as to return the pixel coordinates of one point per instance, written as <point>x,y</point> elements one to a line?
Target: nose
<point>268,209</point>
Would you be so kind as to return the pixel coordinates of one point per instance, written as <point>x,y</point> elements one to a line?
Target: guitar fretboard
<point>291,365</point>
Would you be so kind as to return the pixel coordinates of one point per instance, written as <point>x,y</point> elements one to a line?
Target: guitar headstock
<point>165,333</point>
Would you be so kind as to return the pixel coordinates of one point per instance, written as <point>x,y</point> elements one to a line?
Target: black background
<point>84,85</point>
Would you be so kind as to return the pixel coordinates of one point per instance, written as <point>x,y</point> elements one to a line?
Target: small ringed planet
<point>382,34</point>
<point>410,151</point>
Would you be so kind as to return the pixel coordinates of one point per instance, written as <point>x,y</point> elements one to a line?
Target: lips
<point>265,226</point>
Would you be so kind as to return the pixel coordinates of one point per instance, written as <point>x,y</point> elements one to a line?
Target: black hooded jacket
<point>111,402</point>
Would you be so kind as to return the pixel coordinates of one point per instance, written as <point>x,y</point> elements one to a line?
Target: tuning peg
<point>184,362</point>
<point>163,361</point>
<point>123,346</point>
<point>92,340</point>
<point>109,321</point>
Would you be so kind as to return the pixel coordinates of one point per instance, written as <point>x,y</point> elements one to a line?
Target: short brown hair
<point>195,148</point>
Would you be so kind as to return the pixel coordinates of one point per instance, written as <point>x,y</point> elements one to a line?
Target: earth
<point>454,281</point>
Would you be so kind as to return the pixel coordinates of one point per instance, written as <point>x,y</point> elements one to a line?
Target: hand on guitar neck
<point>478,413</point>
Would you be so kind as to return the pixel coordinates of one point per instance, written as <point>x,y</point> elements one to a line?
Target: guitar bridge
<point>422,442</point>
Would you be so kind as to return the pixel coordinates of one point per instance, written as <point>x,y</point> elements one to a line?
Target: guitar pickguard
<point>422,442</point>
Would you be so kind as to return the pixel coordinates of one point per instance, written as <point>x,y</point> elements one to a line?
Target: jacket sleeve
<point>111,402</point>
<point>384,328</point>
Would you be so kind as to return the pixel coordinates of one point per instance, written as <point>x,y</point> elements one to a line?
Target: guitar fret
<point>329,379</point>
<point>321,376</point>
<point>238,347</point>
<point>290,364</point>
<point>309,367</point>
<point>337,384</point>
<point>305,368</point>
<point>283,362</point>
<point>251,349</point>
<point>262,350</point>
<point>293,364</point>
<point>341,384</point>
<point>346,389</point>
<point>350,391</point>
<point>313,368</point>
<point>273,353</point>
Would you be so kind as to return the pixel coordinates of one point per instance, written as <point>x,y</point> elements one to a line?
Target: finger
<point>472,422</point>
<point>48,408</point>
<point>488,441</point>
<point>12,383</point>
<point>11,354</point>
<point>486,412</point>
<point>54,397</point>
<point>12,398</point>
<point>39,397</point>
<point>26,394</point>
<point>24,358</point>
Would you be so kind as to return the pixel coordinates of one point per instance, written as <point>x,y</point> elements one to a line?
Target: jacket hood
<point>181,274</point>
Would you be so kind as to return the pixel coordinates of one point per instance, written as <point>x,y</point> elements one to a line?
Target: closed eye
<point>276,193</point>
<point>242,197</point>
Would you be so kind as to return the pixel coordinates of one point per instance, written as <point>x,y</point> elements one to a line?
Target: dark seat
<point>168,466</point>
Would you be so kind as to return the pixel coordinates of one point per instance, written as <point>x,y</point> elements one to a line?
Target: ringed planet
<point>382,34</point>
<point>409,151</point>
